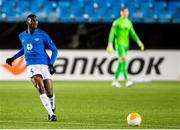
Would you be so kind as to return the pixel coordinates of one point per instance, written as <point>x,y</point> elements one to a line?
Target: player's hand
<point>52,69</point>
<point>10,60</point>
<point>142,47</point>
<point>109,50</point>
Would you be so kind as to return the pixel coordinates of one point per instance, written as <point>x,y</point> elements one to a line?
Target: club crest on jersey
<point>36,39</point>
<point>29,47</point>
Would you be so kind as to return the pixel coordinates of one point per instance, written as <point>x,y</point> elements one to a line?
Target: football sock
<point>52,101</point>
<point>118,70</point>
<point>124,70</point>
<point>46,103</point>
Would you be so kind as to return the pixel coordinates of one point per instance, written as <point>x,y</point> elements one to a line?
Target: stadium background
<point>80,30</point>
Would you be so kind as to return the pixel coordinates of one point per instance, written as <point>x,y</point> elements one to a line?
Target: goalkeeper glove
<point>109,48</point>
<point>141,45</point>
<point>51,69</point>
<point>10,60</point>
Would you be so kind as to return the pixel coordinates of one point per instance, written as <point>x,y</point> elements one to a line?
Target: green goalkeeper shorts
<point>121,51</point>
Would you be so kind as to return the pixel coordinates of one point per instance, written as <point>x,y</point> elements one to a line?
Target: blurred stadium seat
<point>147,11</point>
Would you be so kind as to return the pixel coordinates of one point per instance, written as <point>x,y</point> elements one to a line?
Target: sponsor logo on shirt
<point>36,39</point>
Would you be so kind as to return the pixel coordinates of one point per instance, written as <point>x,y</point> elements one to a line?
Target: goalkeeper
<point>119,34</point>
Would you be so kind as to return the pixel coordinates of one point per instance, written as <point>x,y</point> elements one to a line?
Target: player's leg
<point>37,80</point>
<point>48,84</point>
<point>119,66</point>
<point>38,83</point>
<point>117,73</point>
<point>124,67</point>
<point>124,63</point>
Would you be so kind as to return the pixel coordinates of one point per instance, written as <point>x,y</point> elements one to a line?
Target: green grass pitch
<point>91,105</point>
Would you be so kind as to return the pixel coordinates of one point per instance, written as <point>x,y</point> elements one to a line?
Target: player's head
<point>124,12</point>
<point>32,21</point>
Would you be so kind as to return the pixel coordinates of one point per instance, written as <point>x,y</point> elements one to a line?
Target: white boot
<point>129,83</point>
<point>116,84</point>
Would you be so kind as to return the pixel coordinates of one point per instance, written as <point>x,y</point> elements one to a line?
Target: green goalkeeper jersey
<point>120,31</point>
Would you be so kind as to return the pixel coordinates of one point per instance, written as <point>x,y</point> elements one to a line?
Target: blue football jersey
<point>34,48</point>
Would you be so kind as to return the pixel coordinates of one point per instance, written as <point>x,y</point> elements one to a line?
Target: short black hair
<point>31,15</point>
<point>123,8</point>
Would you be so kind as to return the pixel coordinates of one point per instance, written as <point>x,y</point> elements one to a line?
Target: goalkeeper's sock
<point>118,70</point>
<point>125,71</point>
<point>46,103</point>
<point>52,102</point>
